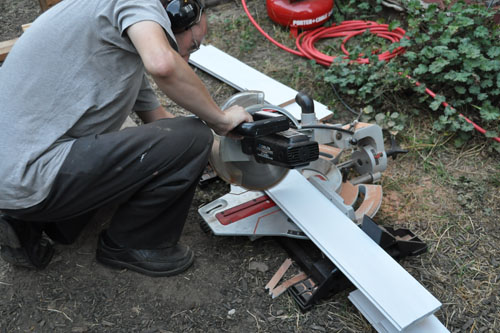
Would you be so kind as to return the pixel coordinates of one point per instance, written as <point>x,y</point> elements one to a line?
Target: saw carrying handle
<point>264,123</point>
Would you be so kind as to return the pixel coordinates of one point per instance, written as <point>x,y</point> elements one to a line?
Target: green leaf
<point>463,21</point>
<point>466,127</point>
<point>491,134</point>
<point>435,105</point>
<point>494,65</point>
<point>438,125</point>
<point>438,65</point>
<point>487,65</point>
<point>421,69</point>
<point>454,126</point>
<point>450,55</point>
<point>445,40</point>
<point>482,96</point>
<point>452,76</point>
<point>494,52</point>
<point>405,42</point>
<point>440,49</point>
<point>427,52</point>
<point>481,32</point>
<point>457,76</point>
<point>474,90</point>
<point>462,76</point>
<point>393,25</point>
<point>368,109</point>
<point>421,39</point>
<point>449,111</point>
<point>489,112</point>
<point>444,119</point>
<point>443,19</point>
<point>411,56</point>
<point>379,118</point>
<point>364,5</point>
<point>460,90</point>
<point>421,89</point>
<point>473,52</point>
<point>452,29</point>
<point>486,83</point>
<point>470,64</point>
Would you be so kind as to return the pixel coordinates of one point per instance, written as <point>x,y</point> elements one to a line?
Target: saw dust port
<point>447,197</point>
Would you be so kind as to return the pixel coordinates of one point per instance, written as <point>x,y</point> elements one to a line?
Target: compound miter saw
<point>275,143</point>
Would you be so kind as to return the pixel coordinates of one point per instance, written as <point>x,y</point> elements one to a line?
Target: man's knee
<point>187,132</point>
<point>200,131</point>
<point>182,138</point>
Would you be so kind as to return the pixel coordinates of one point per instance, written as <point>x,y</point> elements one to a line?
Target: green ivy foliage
<point>454,52</point>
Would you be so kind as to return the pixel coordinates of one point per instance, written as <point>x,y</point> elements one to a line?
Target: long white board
<point>243,77</point>
<point>399,298</point>
<point>429,324</point>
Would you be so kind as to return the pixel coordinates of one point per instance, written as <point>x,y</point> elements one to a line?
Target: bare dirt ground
<point>447,196</point>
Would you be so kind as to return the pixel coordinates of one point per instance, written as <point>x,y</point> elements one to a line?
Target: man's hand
<point>231,118</point>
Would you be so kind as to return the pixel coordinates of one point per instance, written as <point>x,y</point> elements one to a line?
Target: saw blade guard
<point>236,167</point>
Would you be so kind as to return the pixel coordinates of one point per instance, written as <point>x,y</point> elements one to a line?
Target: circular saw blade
<point>247,173</point>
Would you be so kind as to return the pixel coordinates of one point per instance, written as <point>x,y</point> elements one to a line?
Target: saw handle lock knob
<point>306,103</point>
<point>395,149</point>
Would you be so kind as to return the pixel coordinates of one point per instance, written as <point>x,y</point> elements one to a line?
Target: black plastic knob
<point>306,103</point>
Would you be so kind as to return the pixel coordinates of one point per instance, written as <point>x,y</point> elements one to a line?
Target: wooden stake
<point>46,4</point>
<point>5,48</point>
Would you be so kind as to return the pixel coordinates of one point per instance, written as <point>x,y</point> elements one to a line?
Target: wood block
<point>25,26</point>
<point>5,48</point>
<point>46,4</point>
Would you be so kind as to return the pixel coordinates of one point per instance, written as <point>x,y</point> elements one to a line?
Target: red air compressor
<point>299,14</point>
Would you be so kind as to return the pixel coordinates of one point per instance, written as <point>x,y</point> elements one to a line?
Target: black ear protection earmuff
<point>183,14</point>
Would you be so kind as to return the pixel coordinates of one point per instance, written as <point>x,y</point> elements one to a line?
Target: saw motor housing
<point>270,140</point>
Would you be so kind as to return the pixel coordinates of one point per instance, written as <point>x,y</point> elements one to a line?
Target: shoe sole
<point>8,236</point>
<point>122,264</point>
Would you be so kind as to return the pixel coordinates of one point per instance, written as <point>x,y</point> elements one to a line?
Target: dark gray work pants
<point>150,171</point>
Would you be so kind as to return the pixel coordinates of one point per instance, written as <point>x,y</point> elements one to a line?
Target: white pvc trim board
<point>386,285</point>
<point>243,77</point>
<point>429,324</point>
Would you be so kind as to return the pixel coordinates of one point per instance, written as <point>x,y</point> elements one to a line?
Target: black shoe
<point>153,262</point>
<point>22,244</point>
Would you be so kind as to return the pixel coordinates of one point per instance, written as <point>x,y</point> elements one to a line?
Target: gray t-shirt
<point>73,73</point>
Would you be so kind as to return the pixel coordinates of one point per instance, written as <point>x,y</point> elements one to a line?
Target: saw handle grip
<point>264,123</point>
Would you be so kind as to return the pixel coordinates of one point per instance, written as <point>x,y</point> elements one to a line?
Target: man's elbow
<point>162,65</point>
